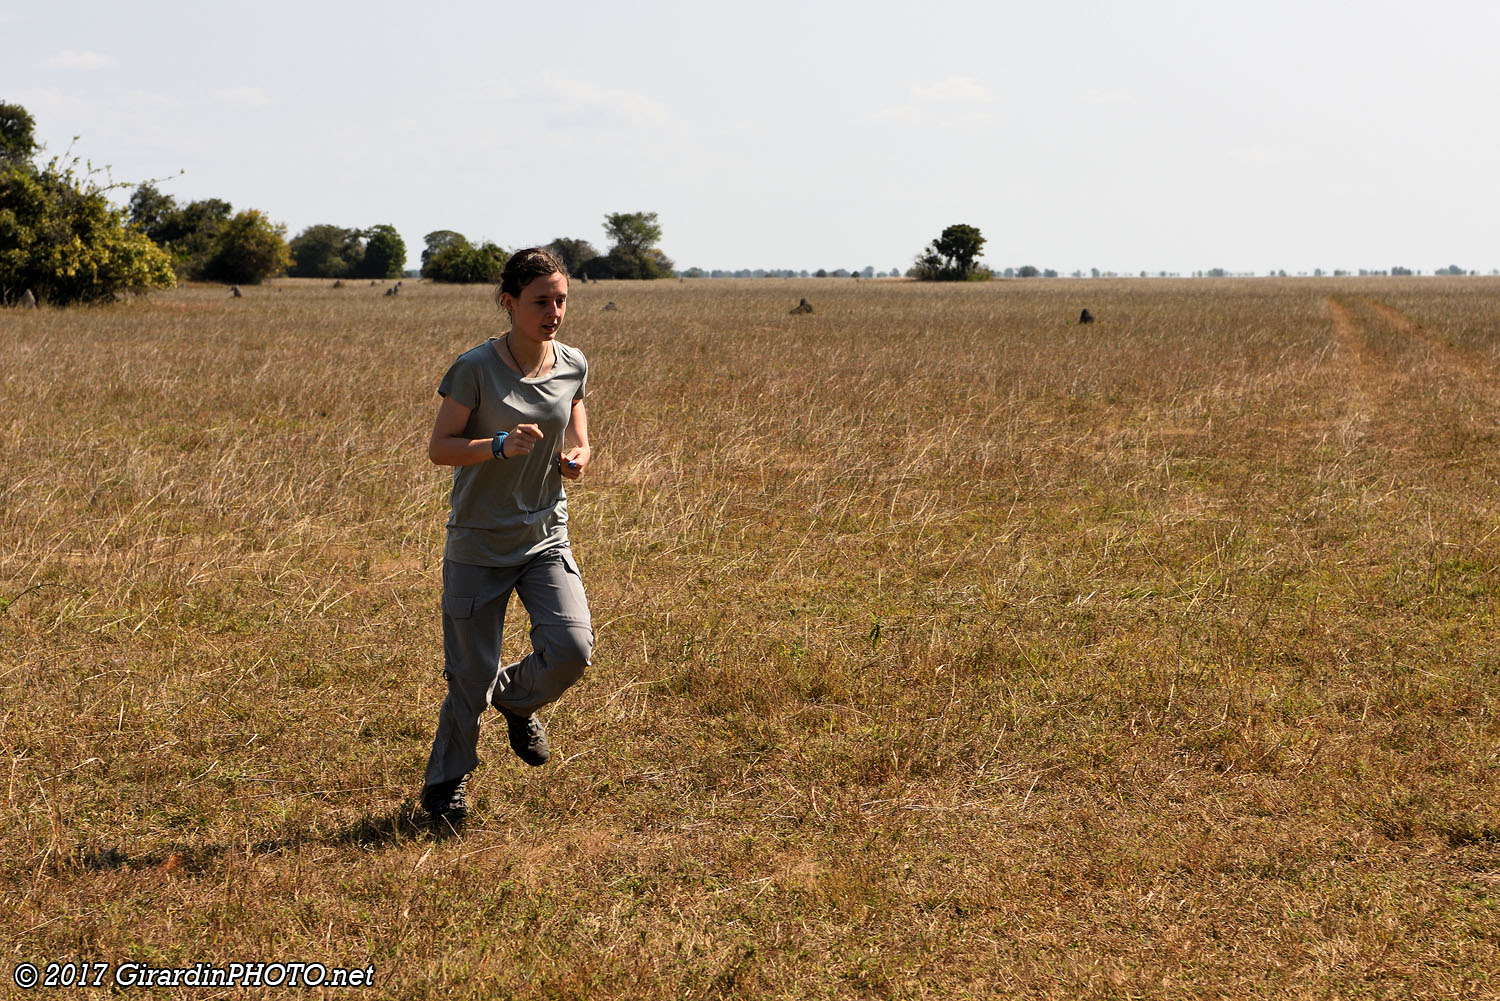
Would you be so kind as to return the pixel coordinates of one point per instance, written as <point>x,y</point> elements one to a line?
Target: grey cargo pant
<point>474,600</point>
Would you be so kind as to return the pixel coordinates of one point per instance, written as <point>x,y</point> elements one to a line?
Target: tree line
<point>62,239</point>
<point>450,257</point>
<point>207,240</point>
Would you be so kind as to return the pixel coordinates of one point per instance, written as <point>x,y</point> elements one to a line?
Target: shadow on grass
<point>373,832</point>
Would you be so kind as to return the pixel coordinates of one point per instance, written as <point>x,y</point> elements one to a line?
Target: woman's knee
<point>569,650</point>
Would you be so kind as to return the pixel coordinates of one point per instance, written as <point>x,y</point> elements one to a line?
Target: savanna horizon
<point>946,647</point>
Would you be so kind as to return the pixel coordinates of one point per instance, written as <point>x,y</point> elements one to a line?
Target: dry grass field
<point>946,648</point>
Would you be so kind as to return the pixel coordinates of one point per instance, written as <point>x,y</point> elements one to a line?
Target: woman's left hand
<point>573,462</point>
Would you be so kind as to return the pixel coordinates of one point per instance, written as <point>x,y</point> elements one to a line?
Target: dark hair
<point>523,266</point>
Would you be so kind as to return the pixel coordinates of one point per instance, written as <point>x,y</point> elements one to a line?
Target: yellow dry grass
<point>947,648</point>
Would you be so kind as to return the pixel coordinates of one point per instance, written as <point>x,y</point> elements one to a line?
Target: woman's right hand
<point>522,440</point>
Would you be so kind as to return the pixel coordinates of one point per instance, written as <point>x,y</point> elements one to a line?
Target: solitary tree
<point>952,256</point>
<point>635,254</point>
<point>637,231</point>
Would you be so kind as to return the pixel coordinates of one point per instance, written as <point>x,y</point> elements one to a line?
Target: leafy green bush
<point>456,260</point>
<point>624,262</point>
<point>249,249</point>
<point>574,254</point>
<point>62,239</point>
<point>326,251</point>
<point>188,233</point>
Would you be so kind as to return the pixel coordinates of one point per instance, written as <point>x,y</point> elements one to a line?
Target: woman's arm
<point>576,438</point>
<point>449,446</point>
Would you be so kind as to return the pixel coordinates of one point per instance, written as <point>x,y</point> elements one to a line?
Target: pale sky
<point>1152,135</point>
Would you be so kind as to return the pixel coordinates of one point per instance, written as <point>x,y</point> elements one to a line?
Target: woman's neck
<point>524,353</point>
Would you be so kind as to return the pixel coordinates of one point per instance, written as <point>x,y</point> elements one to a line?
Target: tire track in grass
<point>1372,423</point>
<point>1364,372</point>
<point>1449,389</point>
<point>1444,352</point>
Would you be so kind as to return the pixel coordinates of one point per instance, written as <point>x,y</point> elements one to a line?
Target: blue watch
<point>497,444</point>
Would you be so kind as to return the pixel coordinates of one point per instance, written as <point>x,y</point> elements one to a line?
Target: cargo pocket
<point>573,604</point>
<point>458,606</point>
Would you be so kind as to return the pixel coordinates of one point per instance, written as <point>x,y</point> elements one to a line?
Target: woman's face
<point>537,312</point>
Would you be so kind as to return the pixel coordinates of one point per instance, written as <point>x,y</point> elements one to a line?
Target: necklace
<point>542,360</point>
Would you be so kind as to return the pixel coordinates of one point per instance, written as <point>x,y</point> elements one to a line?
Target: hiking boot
<point>527,738</point>
<point>446,800</point>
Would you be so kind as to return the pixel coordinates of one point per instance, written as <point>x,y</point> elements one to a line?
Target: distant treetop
<point>634,254</point>
<point>952,257</point>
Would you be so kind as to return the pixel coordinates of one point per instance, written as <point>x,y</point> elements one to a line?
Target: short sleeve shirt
<point>506,511</point>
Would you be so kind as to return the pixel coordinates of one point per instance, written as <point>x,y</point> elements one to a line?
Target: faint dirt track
<point>1445,352</point>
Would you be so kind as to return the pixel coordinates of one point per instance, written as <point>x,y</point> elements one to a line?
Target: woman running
<point>513,425</point>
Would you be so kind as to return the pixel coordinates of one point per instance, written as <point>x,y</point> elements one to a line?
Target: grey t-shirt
<point>505,511</point>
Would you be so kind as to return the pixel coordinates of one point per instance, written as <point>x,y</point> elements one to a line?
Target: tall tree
<point>151,211</point>
<point>952,256</point>
<point>960,246</point>
<point>437,241</point>
<point>635,254</point>
<point>633,231</point>
<point>17,134</point>
<point>195,234</point>
<point>327,251</point>
<point>573,253</point>
<point>385,253</point>
<point>188,233</point>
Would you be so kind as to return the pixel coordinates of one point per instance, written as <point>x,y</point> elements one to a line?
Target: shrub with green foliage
<point>623,262</point>
<point>207,243</point>
<point>188,233</point>
<point>248,250</point>
<point>60,237</point>
<point>574,254</point>
<point>452,258</point>
<point>435,242</point>
<point>326,251</point>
